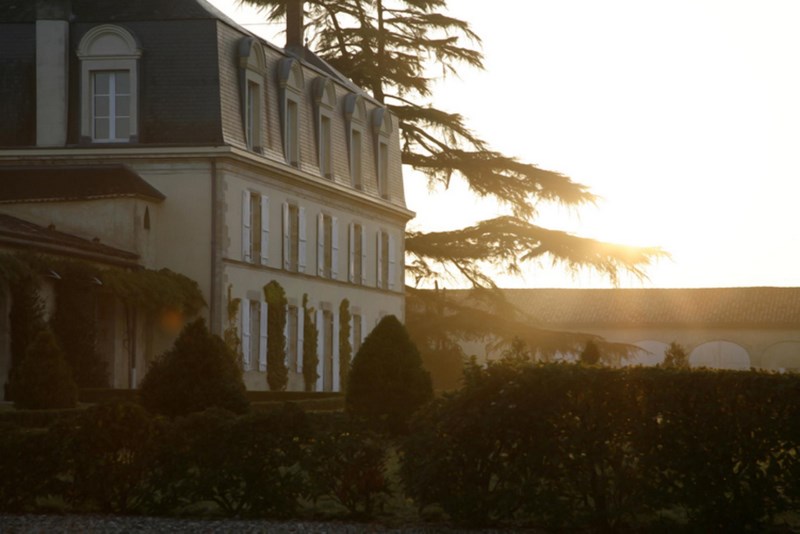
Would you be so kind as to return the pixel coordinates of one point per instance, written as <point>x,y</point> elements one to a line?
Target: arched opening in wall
<point>783,356</point>
<point>650,355</point>
<point>720,355</point>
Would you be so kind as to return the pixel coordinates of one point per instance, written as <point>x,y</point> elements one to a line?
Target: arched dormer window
<point>252,72</point>
<point>355,116</point>
<point>290,84</point>
<point>324,94</point>
<point>381,132</point>
<point>109,57</point>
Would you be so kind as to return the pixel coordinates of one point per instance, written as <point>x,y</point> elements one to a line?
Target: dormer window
<point>355,115</point>
<point>382,131</point>
<point>290,80</point>
<point>324,105</point>
<point>252,72</point>
<point>109,57</point>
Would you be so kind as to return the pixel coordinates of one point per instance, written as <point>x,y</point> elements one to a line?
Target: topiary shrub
<point>43,380</point>
<point>277,372</point>
<point>310,336</point>
<point>199,372</point>
<point>345,348</point>
<point>25,320</point>
<point>387,382</point>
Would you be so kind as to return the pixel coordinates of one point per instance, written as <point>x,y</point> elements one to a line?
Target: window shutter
<point>301,236</point>
<point>301,319</point>
<point>320,347</point>
<point>334,248</point>
<point>286,336</point>
<point>351,264</point>
<point>363,256</point>
<point>392,262</point>
<point>264,229</point>
<point>262,338</point>
<point>245,314</point>
<point>335,363</point>
<point>286,260</point>
<point>246,236</point>
<point>320,245</point>
<point>378,260</point>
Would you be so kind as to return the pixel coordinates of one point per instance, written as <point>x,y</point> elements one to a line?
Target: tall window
<point>355,113</point>
<point>253,71</point>
<point>382,131</point>
<point>383,170</point>
<point>111,106</point>
<point>291,89</point>
<point>291,338</point>
<point>327,246</point>
<point>109,60</point>
<point>254,335</point>
<point>255,228</point>
<point>357,251</point>
<point>294,238</point>
<point>325,147</point>
<point>323,94</point>
<point>385,260</point>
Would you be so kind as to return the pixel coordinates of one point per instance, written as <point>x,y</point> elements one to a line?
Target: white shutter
<point>264,229</point>
<point>301,319</point>
<point>351,264</point>
<point>335,366</point>
<point>320,347</point>
<point>363,257</point>
<point>286,249</point>
<point>301,235</point>
<point>320,245</point>
<point>246,236</point>
<point>334,248</point>
<point>245,304</point>
<point>392,262</point>
<point>262,340</point>
<point>378,260</point>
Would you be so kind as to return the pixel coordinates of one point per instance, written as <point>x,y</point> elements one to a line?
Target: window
<point>292,347</point>
<point>291,87</point>
<point>382,130</point>
<point>255,228</point>
<point>355,114</point>
<point>358,253</point>
<point>109,58</point>
<point>254,334</point>
<point>294,238</point>
<point>386,261</point>
<point>327,246</point>
<point>253,71</point>
<point>324,97</point>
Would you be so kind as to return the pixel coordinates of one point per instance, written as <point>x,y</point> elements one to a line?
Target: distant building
<point>723,328</point>
<point>154,134</point>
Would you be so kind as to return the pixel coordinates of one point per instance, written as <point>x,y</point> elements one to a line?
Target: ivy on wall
<point>277,372</point>
<point>310,358</point>
<point>231,334</point>
<point>345,348</point>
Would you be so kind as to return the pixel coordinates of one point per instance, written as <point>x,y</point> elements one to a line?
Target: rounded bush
<point>199,372</point>
<point>43,380</point>
<point>387,381</point>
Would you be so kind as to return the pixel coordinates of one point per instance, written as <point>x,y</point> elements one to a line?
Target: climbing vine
<point>231,334</point>
<point>310,358</point>
<point>345,348</point>
<point>277,373</point>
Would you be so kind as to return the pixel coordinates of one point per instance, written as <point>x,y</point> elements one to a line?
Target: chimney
<point>52,61</point>
<point>294,25</point>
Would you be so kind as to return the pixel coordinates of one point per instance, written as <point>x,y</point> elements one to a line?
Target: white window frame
<point>292,262</point>
<point>290,89</point>
<point>386,260</point>
<point>252,73</point>
<point>108,48</point>
<point>324,98</point>
<point>382,131</point>
<point>357,250</point>
<point>355,114</point>
<point>327,250</point>
<point>251,241</point>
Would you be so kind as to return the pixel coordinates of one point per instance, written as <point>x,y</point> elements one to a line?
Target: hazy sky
<point>683,115</point>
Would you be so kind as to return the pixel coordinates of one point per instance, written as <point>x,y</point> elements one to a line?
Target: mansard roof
<point>72,182</point>
<point>105,11</point>
<point>20,234</point>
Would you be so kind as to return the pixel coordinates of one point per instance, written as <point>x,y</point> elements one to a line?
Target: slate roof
<point>18,233</point>
<point>771,307</point>
<point>59,183</point>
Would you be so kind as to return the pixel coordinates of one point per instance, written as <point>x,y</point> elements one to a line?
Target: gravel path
<point>57,524</point>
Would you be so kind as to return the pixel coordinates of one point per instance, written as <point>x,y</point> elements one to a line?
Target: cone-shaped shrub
<point>199,372</point>
<point>43,380</point>
<point>387,382</point>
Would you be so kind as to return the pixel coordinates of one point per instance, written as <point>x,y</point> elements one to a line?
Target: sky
<point>682,115</point>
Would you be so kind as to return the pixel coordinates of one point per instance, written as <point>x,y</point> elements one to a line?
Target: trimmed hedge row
<point>118,458</point>
<point>575,446</point>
